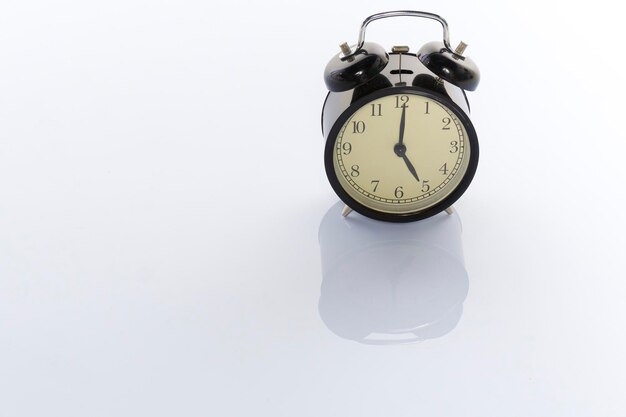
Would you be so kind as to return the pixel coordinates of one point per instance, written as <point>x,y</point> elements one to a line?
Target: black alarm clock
<point>400,145</point>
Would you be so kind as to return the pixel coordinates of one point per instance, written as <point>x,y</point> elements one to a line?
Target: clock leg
<point>450,210</point>
<point>346,210</point>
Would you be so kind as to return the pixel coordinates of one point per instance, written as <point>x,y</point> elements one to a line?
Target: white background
<point>162,189</point>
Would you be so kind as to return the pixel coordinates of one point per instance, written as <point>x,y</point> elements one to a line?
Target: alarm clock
<point>400,145</point>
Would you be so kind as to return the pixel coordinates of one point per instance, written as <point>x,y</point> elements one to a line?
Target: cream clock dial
<point>401,153</point>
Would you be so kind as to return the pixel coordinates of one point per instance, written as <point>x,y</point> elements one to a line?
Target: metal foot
<point>346,210</point>
<point>450,210</point>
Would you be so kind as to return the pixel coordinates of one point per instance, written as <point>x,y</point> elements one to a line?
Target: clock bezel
<point>448,201</point>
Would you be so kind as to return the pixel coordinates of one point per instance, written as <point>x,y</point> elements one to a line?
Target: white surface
<point>162,189</point>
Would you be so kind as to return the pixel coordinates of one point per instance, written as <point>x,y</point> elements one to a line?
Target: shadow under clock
<point>388,283</point>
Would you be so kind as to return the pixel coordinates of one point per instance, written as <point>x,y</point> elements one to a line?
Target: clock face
<point>402,154</point>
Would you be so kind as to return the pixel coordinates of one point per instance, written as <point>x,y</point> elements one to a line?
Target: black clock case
<point>411,76</point>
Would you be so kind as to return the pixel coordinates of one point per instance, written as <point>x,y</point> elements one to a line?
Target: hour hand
<point>400,150</point>
<point>411,167</point>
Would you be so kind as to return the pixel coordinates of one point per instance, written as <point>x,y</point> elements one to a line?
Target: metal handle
<point>398,13</point>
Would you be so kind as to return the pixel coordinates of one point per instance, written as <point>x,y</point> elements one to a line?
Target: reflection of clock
<point>387,283</point>
<point>399,142</point>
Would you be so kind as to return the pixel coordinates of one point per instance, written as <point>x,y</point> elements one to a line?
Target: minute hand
<point>402,118</point>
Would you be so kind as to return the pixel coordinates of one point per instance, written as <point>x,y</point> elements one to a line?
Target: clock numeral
<point>399,193</point>
<point>358,127</point>
<point>446,123</point>
<point>355,171</point>
<point>401,101</point>
<point>427,112</point>
<point>425,186</point>
<point>444,169</point>
<point>376,109</point>
<point>347,148</point>
<point>375,184</point>
<point>455,147</point>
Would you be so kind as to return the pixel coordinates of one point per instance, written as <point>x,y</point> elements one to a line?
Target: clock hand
<point>411,167</point>
<point>400,150</point>
<point>402,119</point>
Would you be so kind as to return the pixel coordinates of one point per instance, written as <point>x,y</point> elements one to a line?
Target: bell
<point>450,66</point>
<point>348,70</point>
